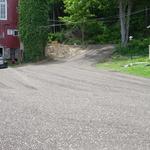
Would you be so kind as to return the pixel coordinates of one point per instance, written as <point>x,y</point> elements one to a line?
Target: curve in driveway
<point>73,106</point>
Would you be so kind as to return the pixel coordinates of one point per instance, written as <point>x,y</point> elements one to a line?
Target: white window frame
<point>4,3</point>
<point>9,32</point>
<point>12,32</point>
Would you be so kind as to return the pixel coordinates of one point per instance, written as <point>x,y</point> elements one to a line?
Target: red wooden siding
<point>10,41</point>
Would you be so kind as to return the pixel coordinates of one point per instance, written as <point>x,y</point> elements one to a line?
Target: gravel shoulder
<point>69,105</point>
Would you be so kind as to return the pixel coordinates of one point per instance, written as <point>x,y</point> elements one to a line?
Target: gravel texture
<point>69,105</point>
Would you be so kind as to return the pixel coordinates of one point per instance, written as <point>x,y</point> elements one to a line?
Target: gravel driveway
<point>69,105</point>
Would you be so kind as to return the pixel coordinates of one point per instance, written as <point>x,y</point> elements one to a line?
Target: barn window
<point>3,9</point>
<point>12,32</point>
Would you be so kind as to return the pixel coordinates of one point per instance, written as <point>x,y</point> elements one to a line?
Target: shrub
<point>100,33</point>
<point>135,47</point>
<point>59,36</point>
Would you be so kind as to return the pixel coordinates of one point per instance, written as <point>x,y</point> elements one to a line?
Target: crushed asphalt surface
<point>70,105</point>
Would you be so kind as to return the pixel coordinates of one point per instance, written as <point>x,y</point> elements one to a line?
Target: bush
<point>135,47</point>
<point>95,33</point>
<point>103,34</point>
<point>73,41</point>
<point>59,36</point>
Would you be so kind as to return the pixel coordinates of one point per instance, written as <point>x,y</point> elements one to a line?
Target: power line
<point>104,20</point>
<point>108,18</point>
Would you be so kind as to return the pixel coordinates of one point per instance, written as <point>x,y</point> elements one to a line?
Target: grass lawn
<point>128,65</point>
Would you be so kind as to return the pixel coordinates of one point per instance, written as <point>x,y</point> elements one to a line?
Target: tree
<point>78,13</point>
<point>88,12</point>
<point>33,18</point>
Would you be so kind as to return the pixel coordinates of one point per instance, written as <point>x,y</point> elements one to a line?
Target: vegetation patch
<point>32,22</point>
<point>139,66</point>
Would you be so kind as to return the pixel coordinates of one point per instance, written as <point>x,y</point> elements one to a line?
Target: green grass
<point>118,63</point>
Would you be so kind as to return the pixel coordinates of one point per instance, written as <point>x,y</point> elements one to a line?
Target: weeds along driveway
<point>72,106</point>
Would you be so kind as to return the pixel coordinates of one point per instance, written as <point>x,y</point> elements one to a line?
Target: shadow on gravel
<point>96,54</point>
<point>50,62</point>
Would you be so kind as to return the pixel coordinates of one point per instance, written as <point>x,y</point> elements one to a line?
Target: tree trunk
<point>54,19</point>
<point>146,16</point>
<point>122,21</point>
<point>125,20</point>
<point>128,21</point>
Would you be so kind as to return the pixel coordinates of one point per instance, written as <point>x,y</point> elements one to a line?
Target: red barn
<point>9,39</point>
